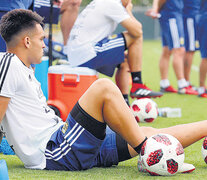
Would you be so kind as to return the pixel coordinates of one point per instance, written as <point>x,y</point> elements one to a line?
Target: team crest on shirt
<point>112,36</point>
<point>197,45</point>
<point>65,127</point>
<point>30,78</point>
<point>182,41</point>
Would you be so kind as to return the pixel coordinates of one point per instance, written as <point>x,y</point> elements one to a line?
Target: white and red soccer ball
<point>204,150</point>
<point>144,110</point>
<point>162,154</point>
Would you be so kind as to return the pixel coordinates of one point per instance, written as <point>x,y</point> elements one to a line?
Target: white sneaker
<point>185,168</point>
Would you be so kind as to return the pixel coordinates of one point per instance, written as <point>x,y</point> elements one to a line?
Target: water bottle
<point>3,170</point>
<point>169,112</point>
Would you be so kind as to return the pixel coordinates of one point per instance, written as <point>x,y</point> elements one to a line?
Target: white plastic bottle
<point>169,112</point>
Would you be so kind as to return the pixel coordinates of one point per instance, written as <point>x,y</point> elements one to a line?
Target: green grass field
<point>193,109</point>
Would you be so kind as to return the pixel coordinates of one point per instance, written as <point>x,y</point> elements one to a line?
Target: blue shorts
<point>73,148</point>
<point>202,36</point>
<point>110,53</point>
<point>2,42</point>
<point>190,31</point>
<point>172,31</point>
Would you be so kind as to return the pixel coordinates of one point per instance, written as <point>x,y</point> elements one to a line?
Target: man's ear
<point>27,42</point>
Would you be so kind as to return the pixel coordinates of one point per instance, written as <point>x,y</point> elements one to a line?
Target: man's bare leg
<point>104,102</point>
<point>203,72</point>
<point>134,52</point>
<point>122,80</point>
<point>110,108</point>
<point>178,56</point>
<point>193,133</point>
<point>134,59</point>
<point>164,62</point>
<point>188,59</point>
<point>69,11</point>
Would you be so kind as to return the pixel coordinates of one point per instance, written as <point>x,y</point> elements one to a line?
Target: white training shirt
<point>28,122</point>
<point>97,21</point>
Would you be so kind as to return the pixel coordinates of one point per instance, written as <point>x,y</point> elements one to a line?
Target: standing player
<point>6,6</point>
<point>190,19</point>
<point>171,23</point>
<point>39,138</point>
<point>202,36</point>
<point>91,43</point>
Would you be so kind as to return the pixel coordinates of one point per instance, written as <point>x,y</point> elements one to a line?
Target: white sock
<point>182,83</point>
<point>188,83</point>
<point>65,50</point>
<point>201,90</point>
<point>164,83</point>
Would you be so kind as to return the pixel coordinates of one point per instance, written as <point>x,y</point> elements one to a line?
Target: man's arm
<point>4,101</point>
<point>133,26</point>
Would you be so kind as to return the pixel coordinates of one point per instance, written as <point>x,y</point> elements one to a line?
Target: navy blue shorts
<point>172,31</point>
<point>2,42</point>
<point>190,31</point>
<point>110,53</point>
<point>202,36</point>
<point>73,148</point>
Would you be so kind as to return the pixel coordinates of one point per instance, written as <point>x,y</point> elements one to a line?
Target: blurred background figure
<point>6,6</point>
<point>202,29</point>
<point>190,20</point>
<point>170,17</point>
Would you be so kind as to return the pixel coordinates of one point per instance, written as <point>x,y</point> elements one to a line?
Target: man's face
<point>36,45</point>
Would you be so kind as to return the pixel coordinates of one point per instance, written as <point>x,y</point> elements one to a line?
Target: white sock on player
<point>182,83</point>
<point>201,90</point>
<point>164,83</point>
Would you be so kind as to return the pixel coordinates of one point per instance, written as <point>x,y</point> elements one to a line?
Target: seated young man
<point>39,138</point>
<point>91,43</point>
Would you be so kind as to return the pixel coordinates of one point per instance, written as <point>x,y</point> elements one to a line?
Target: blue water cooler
<point>41,71</point>
<point>3,170</point>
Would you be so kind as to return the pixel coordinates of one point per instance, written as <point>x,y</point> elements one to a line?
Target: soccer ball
<point>144,110</point>
<point>204,150</point>
<point>162,154</point>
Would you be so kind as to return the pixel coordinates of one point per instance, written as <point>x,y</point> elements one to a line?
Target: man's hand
<point>129,6</point>
<point>153,14</point>
<point>4,101</point>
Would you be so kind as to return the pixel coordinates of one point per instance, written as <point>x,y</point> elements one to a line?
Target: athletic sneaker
<point>193,87</point>
<point>185,168</point>
<point>204,95</point>
<point>168,89</point>
<point>142,91</point>
<point>187,90</point>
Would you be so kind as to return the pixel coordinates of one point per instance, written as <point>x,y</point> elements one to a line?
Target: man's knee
<point>131,39</point>
<point>123,66</point>
<point>179,51</point>
<point>166,52</point>
<point>106,87</point>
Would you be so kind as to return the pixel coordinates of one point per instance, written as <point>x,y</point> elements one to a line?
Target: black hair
<point>16,21</point>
